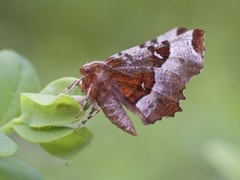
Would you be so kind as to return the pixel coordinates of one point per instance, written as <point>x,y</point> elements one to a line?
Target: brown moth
<point>148,79</point>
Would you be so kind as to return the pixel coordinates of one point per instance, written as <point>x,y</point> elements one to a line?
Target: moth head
<point>88,72</point>
<point>92,68</point>
<point>84,70</point>
<point>86,78</point>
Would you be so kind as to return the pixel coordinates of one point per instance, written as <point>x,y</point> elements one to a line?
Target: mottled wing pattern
<point>128,57</point>
<point>168,35</point>
<point>155,74</point>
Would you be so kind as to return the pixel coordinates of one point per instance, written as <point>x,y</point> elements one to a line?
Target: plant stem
<point>8,127</point>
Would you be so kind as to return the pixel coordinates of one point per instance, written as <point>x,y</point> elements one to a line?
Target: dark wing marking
<point>168,35</point>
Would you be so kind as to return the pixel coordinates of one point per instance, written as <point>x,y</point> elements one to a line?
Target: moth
<point>148,79</point>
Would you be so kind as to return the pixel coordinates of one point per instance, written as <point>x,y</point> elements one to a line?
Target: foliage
<point>39,118</point>
<point>58,37</point>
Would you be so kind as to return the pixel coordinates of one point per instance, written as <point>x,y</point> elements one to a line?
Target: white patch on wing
<point>157,55</point>
<point>143,87</point>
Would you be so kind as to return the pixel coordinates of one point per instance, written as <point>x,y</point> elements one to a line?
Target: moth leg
<point>85,103</point>
<point>87,97</point>
<point>94,111</point>
<point>71,86</point>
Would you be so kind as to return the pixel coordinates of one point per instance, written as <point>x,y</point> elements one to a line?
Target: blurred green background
<point>202,142</point>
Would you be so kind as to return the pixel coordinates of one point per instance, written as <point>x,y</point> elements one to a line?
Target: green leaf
<point>7,146</point>
<point>70,146</point>
<point>40,110</point>
<point>42,135</point>
<point>57,86</point>
<point>12,168</point>
<point>42,115</point>
<point>16,75</point>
